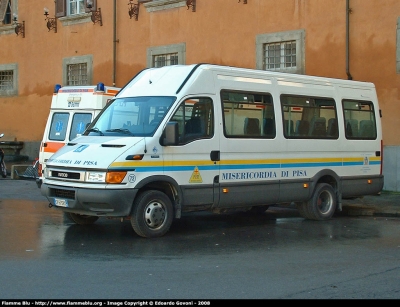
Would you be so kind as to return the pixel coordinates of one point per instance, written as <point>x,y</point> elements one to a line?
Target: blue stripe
<point>314,164</point>
<point>249,166</point>
<point>375,162</point>
<point>182,168</point>
<point>353,163</point>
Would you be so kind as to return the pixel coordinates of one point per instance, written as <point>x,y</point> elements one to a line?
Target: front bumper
<point>95,202</point>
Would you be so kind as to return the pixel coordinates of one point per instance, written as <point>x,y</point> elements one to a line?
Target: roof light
<point>100,87</point>
<point>57,88</point>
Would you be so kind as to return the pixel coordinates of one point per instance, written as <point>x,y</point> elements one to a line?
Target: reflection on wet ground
<point>29,229</point>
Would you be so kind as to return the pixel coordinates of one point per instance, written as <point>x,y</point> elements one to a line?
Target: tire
<point>322,204</point>
<point>3,170</point>
<point>81,219</point>
<point>152,214</point>
<point>303,211</point>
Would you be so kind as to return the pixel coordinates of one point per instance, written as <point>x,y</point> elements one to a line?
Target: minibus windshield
<point>131,116</point>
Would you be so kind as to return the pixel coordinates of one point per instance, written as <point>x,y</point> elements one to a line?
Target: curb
<point>354,210</point>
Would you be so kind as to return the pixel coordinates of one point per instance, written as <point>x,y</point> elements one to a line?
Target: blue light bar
<point>57,88</point>
<point>100,87</point>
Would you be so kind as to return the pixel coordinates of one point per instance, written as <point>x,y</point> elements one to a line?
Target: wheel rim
<point>154,215</point>
<point>325,201</point>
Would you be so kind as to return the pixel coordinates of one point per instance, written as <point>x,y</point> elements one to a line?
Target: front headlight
<point>95,177</point>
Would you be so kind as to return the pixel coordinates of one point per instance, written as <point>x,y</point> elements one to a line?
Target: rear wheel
<point>81,219</point>
<point>322,205</point>
<point>152,214</point>
<point>303,211</point>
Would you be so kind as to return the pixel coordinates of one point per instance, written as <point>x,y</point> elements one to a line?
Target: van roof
<point>169,80</point>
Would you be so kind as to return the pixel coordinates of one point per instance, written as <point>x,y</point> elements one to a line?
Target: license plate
<point>61,202</point>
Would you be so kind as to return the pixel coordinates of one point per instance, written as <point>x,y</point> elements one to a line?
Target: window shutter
<point>60,8</point>
<point>94,8</point>
<point>3,9</point>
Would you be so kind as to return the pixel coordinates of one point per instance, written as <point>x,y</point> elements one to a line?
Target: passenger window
<point>195,118</point>
<point>332,129</point>
<point>359,119</point>
<point>252,126</point>
<point>307,117</point>
<point>248,115</point>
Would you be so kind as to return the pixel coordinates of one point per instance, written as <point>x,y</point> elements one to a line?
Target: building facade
<point>81,42</point>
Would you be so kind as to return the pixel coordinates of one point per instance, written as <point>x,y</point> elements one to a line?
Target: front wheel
<point>81,219</point>
<point>322,204</point>
<point>152,214</point>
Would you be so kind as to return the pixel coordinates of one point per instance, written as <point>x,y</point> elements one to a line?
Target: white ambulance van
<point>72,109</point>
<point>205,137</point>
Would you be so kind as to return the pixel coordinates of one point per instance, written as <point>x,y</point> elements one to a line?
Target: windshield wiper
<point>125,131</point>
<point>95,130</point>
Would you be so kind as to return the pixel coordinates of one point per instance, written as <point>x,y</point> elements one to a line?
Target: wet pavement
<point>386,204</point>
<point>237,256</point>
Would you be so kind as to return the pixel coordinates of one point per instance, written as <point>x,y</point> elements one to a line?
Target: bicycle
<point>3,169</point>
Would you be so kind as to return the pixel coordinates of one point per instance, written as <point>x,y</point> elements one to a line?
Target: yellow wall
<point>219,32</point>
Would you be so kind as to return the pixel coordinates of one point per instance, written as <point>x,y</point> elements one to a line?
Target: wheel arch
<point>164,184</point>
<point>330,177</point>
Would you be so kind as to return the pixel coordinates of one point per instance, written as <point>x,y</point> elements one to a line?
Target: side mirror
<point>170,135</point>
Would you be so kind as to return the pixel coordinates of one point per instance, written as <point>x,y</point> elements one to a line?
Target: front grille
<point>64,193</point>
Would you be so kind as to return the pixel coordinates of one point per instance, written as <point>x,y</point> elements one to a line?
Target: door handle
<point>214,155</point>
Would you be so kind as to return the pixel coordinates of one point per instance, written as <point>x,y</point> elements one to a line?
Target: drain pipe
<point>115,41</point>
<point>348,12</point>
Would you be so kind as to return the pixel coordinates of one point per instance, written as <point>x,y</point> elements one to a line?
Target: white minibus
<point>188,138</point>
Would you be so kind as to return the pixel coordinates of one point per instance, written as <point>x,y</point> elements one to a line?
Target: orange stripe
<point>53,147</point>
<point>105,94</point>
<point>112,91</point>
